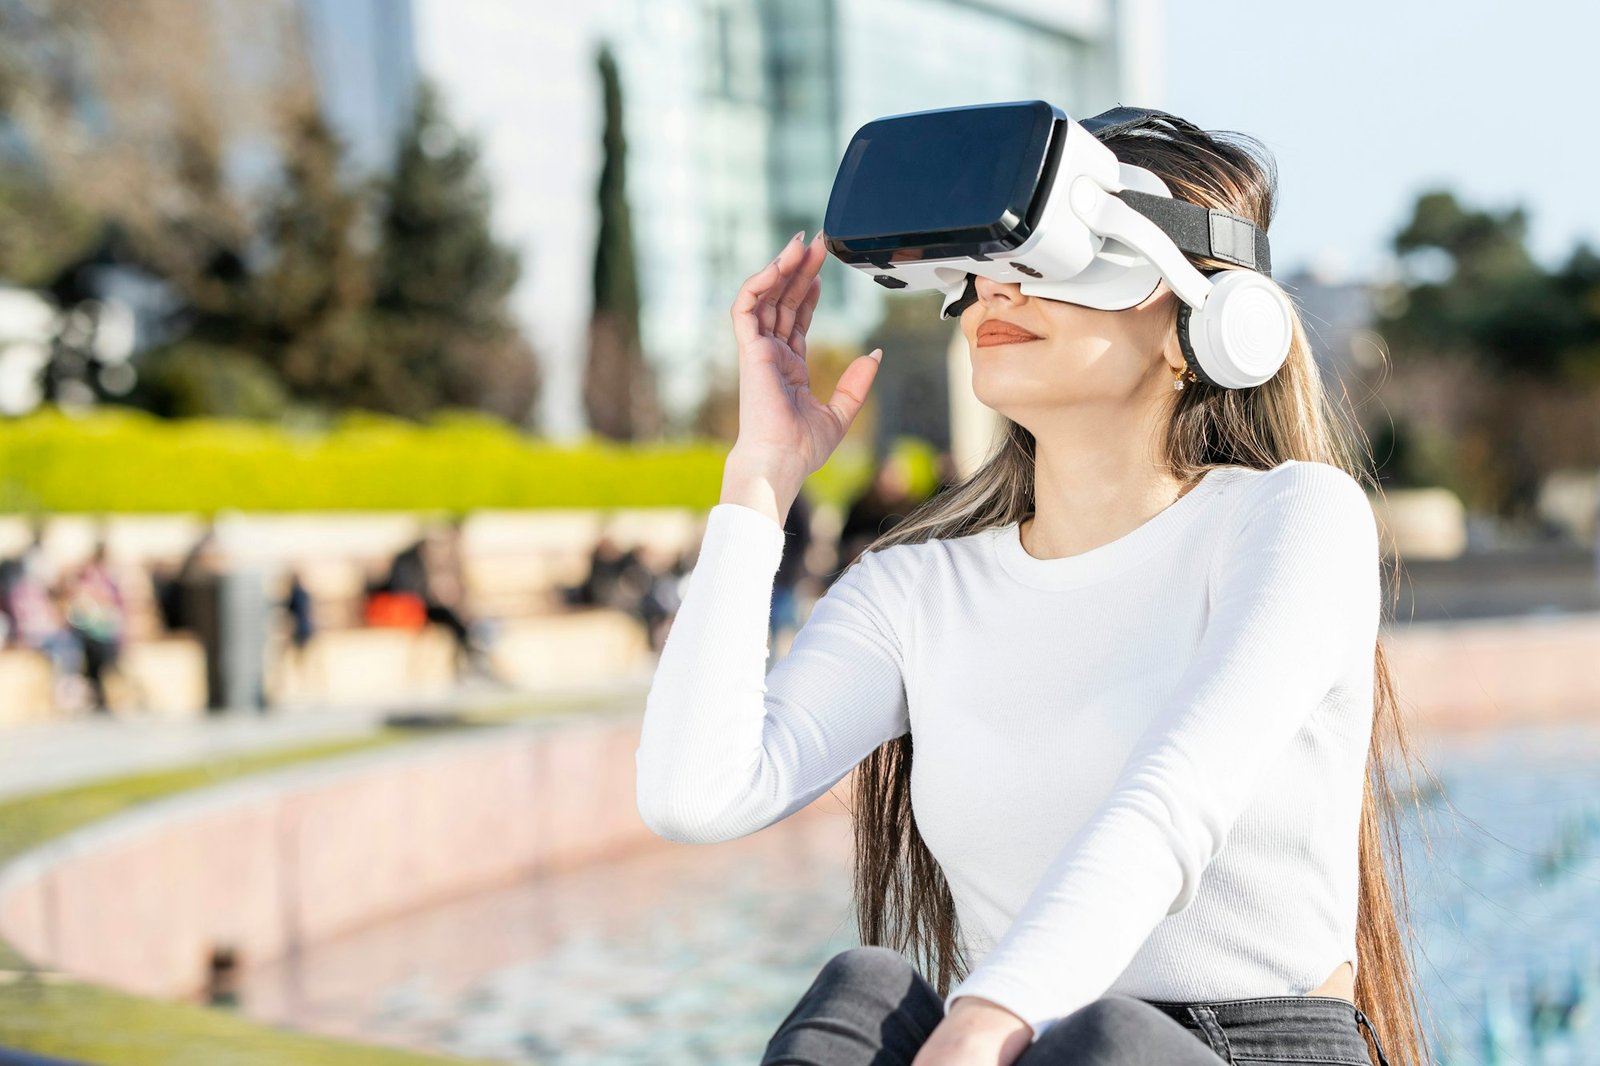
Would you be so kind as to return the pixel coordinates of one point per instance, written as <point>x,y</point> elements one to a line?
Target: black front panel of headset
<point>961,177</point>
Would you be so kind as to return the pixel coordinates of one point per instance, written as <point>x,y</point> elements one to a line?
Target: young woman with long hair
<point>1138,653</point>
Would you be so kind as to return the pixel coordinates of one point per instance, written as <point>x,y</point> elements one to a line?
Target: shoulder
<point>895,567</point>
<point>1313,509</point>
<point>915,571</point>
<point>1303,487</point>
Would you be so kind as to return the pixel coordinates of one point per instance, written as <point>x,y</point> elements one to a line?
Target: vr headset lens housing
<point>1020,192</point>
<point>942,183</point>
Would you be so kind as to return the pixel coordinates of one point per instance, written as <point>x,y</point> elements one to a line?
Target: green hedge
<point>124,461</point>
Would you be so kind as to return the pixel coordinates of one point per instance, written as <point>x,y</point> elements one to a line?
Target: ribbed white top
<point>1139,767</point>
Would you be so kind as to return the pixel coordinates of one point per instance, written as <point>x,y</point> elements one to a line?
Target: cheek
<point>1059,370</point>
<point>1056,358</point>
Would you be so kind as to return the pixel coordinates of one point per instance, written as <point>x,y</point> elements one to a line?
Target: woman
<point>1145,628</point>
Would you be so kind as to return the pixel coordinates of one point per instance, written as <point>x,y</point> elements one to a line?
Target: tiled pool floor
<point>682,954</point>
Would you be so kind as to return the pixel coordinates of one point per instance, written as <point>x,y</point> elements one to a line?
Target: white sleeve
<point>1295,596</point>
<point>726,747</point>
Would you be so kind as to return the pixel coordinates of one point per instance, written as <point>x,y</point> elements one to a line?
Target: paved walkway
<point>55,755</point>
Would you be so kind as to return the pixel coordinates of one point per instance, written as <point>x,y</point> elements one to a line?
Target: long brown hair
<point>901,896</point>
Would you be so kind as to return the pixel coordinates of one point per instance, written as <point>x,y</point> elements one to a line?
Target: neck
<point>1094,481</point>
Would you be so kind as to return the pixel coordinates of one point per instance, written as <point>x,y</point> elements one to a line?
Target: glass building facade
<point>735,114</point>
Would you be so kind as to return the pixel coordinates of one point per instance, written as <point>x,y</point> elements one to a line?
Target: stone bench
<point>165,676</point>
<point>573,647</point>
<point>27,687</point>
<point>362,666</point>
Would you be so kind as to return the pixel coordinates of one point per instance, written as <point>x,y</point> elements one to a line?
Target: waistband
<point>1322,1028</point>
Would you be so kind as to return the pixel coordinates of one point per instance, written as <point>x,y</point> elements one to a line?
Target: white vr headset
<point>1020,192</point>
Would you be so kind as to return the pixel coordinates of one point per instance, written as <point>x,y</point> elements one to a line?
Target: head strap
<point>1205,231</point>
<point>1194,229</point>
<point>1124,116</point>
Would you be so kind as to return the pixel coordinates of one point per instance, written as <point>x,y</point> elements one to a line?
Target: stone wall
<point>274,862</point>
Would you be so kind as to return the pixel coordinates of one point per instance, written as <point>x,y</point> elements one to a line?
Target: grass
<point>52,1015</point>
<point>98,1025</point>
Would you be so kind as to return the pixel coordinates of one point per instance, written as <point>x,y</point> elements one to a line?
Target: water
<point>694,954</point>
<point>683,954</point>
<point>1505,906</point>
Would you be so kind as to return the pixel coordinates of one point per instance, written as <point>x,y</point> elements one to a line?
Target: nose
<point>990,290</point>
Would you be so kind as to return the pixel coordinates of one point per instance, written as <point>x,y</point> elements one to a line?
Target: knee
<point>868,964</point>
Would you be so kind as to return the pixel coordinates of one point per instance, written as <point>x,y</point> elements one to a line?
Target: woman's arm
<point>724,750</point>
<point>1295,598</point>
<point>728,748</point>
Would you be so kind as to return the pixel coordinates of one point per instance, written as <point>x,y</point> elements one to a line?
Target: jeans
<point>869,1006</point>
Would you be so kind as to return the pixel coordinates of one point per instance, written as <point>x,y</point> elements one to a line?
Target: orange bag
<point>396,610</point>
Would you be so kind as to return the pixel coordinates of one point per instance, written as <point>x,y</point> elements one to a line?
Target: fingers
<point>802,317</point>
<point>798,285</point>
<point>788,260</point>
<point>756,292</point>
<point>851,391</point>
<point>769,299</point>
<point>746,322</point>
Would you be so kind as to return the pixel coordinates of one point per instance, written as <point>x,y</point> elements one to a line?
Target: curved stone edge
<point>270,863</point>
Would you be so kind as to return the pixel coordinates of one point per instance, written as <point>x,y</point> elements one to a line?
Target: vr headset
<point>1020,192</point>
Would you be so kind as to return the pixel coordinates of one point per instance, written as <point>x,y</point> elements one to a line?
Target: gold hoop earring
<point>1178,375</point>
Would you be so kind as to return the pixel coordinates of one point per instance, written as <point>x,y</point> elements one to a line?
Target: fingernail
<point>797,236</point>
<point>877,353</point>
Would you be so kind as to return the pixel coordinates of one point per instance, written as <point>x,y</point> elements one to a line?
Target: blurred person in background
<point>886,500</point>
<point>98,616</point>
<point>299,610</point>
<point>608,582</point>
<point>429,572</point>
<point>173,589</point>
<point>667,591</point>
<point>297,604</point>
<point>660,582</point>
<point>792,571</point>
<point>34,603</point>
<point>623,579</point>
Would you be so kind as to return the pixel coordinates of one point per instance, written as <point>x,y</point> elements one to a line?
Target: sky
<point>1365,104</point>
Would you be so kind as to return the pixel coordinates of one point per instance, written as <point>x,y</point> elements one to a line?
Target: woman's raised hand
<point>780,421</point>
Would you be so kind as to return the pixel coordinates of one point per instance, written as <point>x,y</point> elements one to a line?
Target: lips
<point>995,332</point>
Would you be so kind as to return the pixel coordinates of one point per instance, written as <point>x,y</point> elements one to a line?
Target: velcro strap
<point>1205,231</point>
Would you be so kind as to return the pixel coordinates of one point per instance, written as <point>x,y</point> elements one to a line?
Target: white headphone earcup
<point>1241,336</point>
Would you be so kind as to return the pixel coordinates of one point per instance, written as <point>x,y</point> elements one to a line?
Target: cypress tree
<point>618,387</point>
<point>443,281</point>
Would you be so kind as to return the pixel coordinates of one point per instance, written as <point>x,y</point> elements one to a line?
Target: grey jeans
<point>869,1006</point>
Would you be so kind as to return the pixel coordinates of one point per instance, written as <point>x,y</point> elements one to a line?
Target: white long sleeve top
<point>1140,767</point>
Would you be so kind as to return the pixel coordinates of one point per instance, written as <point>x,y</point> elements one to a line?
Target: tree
<point>41,229</point>
<point>443,281</point>
<point>1497,374</point>
<point>1475,290</point>
<point>101,116</point>
<point>310,304</point>
<point>619,389</point>
<point>387,294</point>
